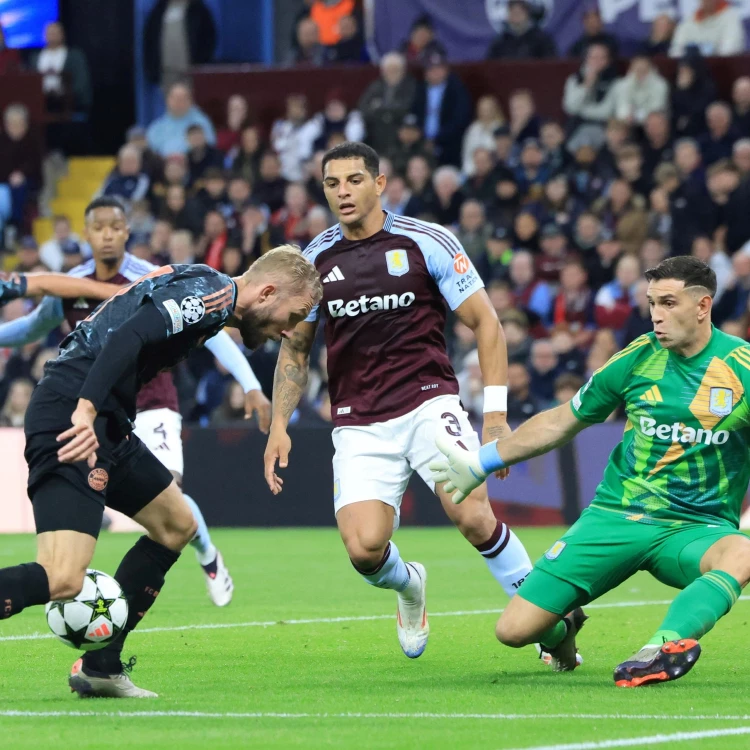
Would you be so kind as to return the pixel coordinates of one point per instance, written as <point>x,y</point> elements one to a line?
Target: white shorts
<point>161,431</point>
<point>375,462</point>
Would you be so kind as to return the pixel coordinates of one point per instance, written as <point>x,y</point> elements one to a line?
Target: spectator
<point>481,186</point>
<point>600,266</point>
<point>493,266</point>
<point>570,358</point>
<point>443,107</point>
<point>168,134</point>
<point>587,233</point>
<point>734,302</point>
<point>659,217</point>
<point>314,181</point>
<point>556,156</point>
<point>336,118</point>
<point>212,194</point>
<point>159,242</point>
<point>215,238</point>
<point>175,173</point>
<point>141,222</point>
<point>615,300</point>
<point>532,173</point>
<point>653,251</point>
<point>239,191</point>
<point>522,402</point>
<point>386,102</point>
<point>717,143</point>
<point>506,202</point>
<point>526,231</point>
<point>532,295</point>
<point>181,248</point>
<point>410,143</point>
<point>245,158</point>
<point>66,81</point>
<point>624,213</point>
<point>291,219</point>
<point>292,137</point>
<point>200,156</point>
<point>741,101</point>
<point>473,231</point>
<point>396,198</point>
<point>615,137</point>
<point>544,370</point>
<point>151,162</point>
<point>328,15</point>
<point>52,253</point>
<point>231,411</point>
<point>693,91</point>
<point>566,387</point>
<point>271,186</point>
<point>308,50</point>
<point>715,28</point>
<point>318,220</point>
<point>689,163</point>
<point>641,92</point>
<point>27,256</point>
<point>127,181</point>
<point>741,157</point>
<point>589,97</point>
<point>421,37</point>
<point>585,180</point>
<point>630,168</point>
<point>228,137</point>
<point>14,409</point>
<point>503,146</point>
<point>446,182</point>
<point>419,180</point>
<point>257,235</point>
<point>735,215</point>
<point>639,320</point>
<point>603,347</point>
<point>705,249</point>
<point>481,132</point>
<point>10,59</point>
<point>554,255</point>
<point>351,46</point>
<point>660,37</point>
<point>176,211</point>
<point>517,338</point>
<point>470,385</point>
<point>573,305</point>
<point>521,38</point>
<point>501,297</point>
<point>20,160</point>
<point>524,121</point>
<point>594,33</point>
<point>657,145</point>
<point>233,261</point>
<point>178,34</point>
<point>557,205</point>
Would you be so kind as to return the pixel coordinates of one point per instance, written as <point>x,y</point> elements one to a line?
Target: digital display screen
<point>24,21</point>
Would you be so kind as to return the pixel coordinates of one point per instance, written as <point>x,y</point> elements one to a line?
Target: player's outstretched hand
<point>460,470</point>
<point>83,442</point>
<point>278,447</point>
<point>256,403</point>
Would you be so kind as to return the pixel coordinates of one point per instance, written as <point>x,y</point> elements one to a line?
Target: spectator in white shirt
<point>481,132</point>
<point>715,28</point>
<point>293,136</point>
<point>641,92</point>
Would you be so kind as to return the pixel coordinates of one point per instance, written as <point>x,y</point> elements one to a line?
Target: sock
<point>552,637</point>
<point>141,575</point>
<point>201,542</point>
<point>390,573</point>
<point>506,558</point>
<point>697,607</point>
<point>22,586</point>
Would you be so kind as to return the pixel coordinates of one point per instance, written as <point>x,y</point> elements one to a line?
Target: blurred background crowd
<point>560,215</point>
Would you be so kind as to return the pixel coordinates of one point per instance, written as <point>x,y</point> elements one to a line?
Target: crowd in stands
<point>561,218</point>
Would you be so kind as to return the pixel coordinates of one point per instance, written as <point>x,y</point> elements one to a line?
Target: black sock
<point>141,575</point>
<point>22,586</point>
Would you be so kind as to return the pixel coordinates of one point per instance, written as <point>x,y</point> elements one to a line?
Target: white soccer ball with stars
<point>94,618</point>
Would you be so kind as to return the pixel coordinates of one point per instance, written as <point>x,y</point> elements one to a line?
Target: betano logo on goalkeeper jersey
<point>679,433</point>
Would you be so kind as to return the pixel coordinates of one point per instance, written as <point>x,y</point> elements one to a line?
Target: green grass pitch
<point>249,676</point>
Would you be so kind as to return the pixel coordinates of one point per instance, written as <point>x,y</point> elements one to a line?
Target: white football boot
<point>90,684</point>
<point>218,581</point>
<point>411,616</point>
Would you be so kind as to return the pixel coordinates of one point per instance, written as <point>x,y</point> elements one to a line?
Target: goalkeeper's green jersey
<point>684,454</point>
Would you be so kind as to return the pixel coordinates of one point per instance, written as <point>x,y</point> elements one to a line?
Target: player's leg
<point>711,566</point>
<point>370,478</point>
<point>161,432</point>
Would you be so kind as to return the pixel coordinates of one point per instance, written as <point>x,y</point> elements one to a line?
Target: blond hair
<point>287,265</point>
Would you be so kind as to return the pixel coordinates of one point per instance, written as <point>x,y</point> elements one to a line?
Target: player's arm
<point>45,317</point>
<point>232,359</point>
<point>118,358</point>
<point>61,285</point>
<point>289,384</point>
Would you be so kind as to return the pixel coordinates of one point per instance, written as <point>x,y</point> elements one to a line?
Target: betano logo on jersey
<point>337,308</point>
<point>679,433</point>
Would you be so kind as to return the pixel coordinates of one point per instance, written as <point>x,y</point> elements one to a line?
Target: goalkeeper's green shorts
<point>604,548</point>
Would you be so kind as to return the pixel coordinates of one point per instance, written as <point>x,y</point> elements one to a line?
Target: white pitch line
<point>655,739</point>
<point>333,620</point>
<point>382,715</point>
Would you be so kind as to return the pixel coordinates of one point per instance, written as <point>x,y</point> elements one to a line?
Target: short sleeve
<point>603,393</point>
<point>450,267</point>
<point>195,302</point>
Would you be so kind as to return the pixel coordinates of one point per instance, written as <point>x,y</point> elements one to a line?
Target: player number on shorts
<point>454,426</point>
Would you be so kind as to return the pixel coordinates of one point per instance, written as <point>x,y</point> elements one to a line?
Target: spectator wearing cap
<point>660,36</point>
<point>657,144</point>
<point>589,98</point>
<point>168,134</point>
<point>493,265</point>
<point>20,160</point>
<point>556,156</point>
<point>544,369</point>
<point>336,118</point>
<point>641,92</point>
<point>409,143</point>
<point>443,107</point>
<point>554,254</point>
<point>421,37</point>
<point>350,47</point>
<point>715,29</point>
<point>473,231</point>
<point>52,253</point>
<point>630,168</point>
<point>522,402</point>
<point>639,320</point>
<point>200,155</point>
<point>741,105</point>
<point>594,33</point>
<point>614,301</point>
<point>446,183</point>
<point>128,181</point>
<point>481,132</point>
<point>271,186</point>
<point>532,173</point>
<point>308,49</point>
<point>574,304</point>
<point>292,137</point>
<point>693,91</point>
<point>532,295</point>
<point>481,185</point>
<point>385,102</point>
<point>717,143</point>
<point>524,122</point>
<point>521,37</point>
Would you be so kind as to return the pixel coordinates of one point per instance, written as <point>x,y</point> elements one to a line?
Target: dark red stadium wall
<point>266,90</point>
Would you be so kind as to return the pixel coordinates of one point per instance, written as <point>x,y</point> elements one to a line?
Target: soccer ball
<point>94,618</point>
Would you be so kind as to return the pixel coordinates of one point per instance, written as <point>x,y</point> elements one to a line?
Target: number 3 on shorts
<point>453,426</point>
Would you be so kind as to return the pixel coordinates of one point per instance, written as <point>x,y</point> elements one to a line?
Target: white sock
<point>392,572</point>
<point>206,556</point>
<point>506,558</point>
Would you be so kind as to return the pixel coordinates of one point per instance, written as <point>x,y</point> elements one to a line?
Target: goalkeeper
<point>670,499</point>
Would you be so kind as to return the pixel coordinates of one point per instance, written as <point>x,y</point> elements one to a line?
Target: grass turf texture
<point>327,669</point>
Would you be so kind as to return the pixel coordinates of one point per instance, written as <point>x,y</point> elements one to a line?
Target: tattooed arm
<point>288,386</point>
